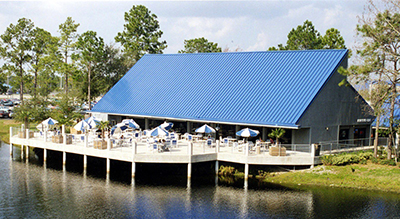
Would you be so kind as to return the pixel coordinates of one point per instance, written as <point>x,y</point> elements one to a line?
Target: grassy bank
<point>358,176</point>
<point>5,125</point>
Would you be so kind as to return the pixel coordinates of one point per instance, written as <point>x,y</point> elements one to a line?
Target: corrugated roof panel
<point>264,88</point>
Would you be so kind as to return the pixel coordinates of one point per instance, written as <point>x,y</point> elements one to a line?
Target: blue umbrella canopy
<point>81,126</point>
<point>158,131</point>
<point>92,121</point>
<point>205,129</point>
<point>167,125</point>
<point>247,133</point>
<point>130,123</point>
<point>49,121</point>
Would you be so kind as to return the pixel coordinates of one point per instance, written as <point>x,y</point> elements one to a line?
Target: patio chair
<point>209,142</point>
<point>155,147</point>
<point>174,143</point>
<point>226,141</point>
<point>189,137</point>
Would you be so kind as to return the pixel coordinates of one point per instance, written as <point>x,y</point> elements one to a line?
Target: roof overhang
<point>204,121</point>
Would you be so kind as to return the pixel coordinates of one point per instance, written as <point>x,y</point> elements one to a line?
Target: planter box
<point>274,151</point>
<point>74,131</point>
<point>22,134</point>
<point>100,145</point>
<point>57,139</point>
<point>69,139</point>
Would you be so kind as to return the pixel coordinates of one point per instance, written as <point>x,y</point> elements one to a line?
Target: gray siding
<point>334,106</point>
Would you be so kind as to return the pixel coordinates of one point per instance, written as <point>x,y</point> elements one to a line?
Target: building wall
<point>333,107</point>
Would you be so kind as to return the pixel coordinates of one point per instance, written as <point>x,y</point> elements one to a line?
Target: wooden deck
<point>182,153</point>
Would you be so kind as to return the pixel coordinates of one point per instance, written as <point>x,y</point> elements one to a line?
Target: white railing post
<point>312,155</point>
<point>247,149</point>
<point>45,134</point>
<point>86,140</point>
<point>217,146</point>
<point>134,147</point>
<point>64,139</point>
<point>108,144</point>
<point>190,148</point>
<point>27,133</point>
<point>204,147</point>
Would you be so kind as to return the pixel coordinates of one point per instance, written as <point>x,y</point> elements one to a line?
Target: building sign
<point>363,120</point>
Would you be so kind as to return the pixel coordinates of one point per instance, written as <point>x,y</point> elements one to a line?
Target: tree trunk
<point>35,80</point>
<point>66,73</point>
<point>21,84</point>
<point>89,97</point>
<point>391,129</point>
<point>376,137</point>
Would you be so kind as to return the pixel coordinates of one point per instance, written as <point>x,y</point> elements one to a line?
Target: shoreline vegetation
<point>366,176</point>
<point>369,176</point>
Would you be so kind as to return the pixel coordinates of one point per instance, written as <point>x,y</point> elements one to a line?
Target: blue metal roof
<point>260,88</point>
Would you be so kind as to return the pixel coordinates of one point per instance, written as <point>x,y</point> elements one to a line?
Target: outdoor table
<point>231,140</point>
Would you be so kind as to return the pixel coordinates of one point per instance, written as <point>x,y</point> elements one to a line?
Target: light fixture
<point>327,128</point>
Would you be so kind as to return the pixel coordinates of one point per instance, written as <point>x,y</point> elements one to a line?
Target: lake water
<point>30,190</point>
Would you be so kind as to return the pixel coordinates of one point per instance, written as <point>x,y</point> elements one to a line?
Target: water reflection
<point>30,190</point>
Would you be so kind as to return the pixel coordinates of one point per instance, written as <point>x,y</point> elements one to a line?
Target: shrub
<point>346,158</point>
<point>226,170</point>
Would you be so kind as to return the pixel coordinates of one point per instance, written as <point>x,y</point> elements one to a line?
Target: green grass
<point>5,125</point>
<point>370,177</point>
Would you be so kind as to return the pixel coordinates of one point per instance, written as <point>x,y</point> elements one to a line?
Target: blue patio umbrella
<point>81,126</point>
<point>158,131</point>
<point>131,123</point>
<point>205,129</point>
<point>92,121</point>
<point>167,125</point>
<point>247,133</point>
<point>49,121</point>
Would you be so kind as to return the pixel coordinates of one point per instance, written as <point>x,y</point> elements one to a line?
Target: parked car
<point>4,113</point>
<point>8,103</point>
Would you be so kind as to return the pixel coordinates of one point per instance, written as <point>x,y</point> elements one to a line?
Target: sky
<point>243,25</point>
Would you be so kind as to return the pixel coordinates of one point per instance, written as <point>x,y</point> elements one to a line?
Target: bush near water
<point>356,158</point>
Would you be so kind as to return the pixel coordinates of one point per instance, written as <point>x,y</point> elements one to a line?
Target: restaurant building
<point>295,90</point>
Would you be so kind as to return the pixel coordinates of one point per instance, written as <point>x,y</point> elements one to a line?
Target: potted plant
<point>277,134</point>
<point>102,144</point>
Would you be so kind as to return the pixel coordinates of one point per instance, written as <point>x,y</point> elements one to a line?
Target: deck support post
<point>11,150</point>
<point>11,146</point>
<point>189,169</point>
<point>44,155</point>
<point>246,171</point>
<point>64,158</point>
<point>216,167</point>
<point>84,162</point>
<point>312,155</point>
<point>133,169</point>
<point>27,152</point>
<point>22,152</point>
<point>108,165</point>
<point>246,175</point>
